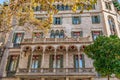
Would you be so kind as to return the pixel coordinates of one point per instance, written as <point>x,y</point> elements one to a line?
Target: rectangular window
<point>93,6</point>
<point>95,19</point>
<point>57,21</point>
<point>38,35</point>
<point>79,61</point>
<point>76,34</point>
<point>17,39</point>
<point>12,62</point>
<point>56,61</point>
<point>76,20</point>
<point>36,60</point>
<point>108,5</point>
<point>95,34</point>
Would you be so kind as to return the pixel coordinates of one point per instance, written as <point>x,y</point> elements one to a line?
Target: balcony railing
<point>56,71</point>
<point>46,40</point>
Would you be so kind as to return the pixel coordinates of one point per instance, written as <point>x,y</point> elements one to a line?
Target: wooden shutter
<point>51,61</point>
<point>93,19</point>
<point>81,33</point>
<point>39,61</point>
<point>54,20</point>
<point>72,19</point>
<point>17,61</point>
<point>92,34</point>
<point>8,63</point>
<point>83,60</point>
<point>74,58</point>
<point>14,38</point>
<point>101,33</point>
<point>61,20</point>
<point>61,61</point>
<point>79,19</point>
<point>98,18</point>
<point>22,37</point>
<point>29,60</point>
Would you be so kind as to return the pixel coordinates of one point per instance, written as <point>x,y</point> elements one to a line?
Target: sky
<point>1,1</point>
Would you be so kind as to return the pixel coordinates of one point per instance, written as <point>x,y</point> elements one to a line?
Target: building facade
<point>58,54</point>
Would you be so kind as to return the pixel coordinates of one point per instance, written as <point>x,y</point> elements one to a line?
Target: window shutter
<point>92,34</point>
<point>22,37</point>
<point>8,63</point>
<point>93,19</point>
<point>61,61</point>
<point>72,19</point>
<point>74,57</point>
<point>14,38</point>
<point>101,33</point>
<point>54,20</point>
<point>39,61</point>
<point>79,19</point>
<point>72,34</point>
<point>61,20</point>
<point>51,61</point>
<point>83,61</point>
<point>18,57</point>
<point>98,18</point>
<point>29,60</point>
<point>81,33</point>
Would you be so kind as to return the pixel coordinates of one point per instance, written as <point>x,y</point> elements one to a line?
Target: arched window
<point>58,7</point>
<point>52,34</point>
<point>62,7</point>
<point>62,34</point>
<point>112,25</point>
<point>57,34</point>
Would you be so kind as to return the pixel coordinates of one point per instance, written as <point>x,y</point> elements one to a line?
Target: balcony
<point>56,72</point>
<point>57,40</point>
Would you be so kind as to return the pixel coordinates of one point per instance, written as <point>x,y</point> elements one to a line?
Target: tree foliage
<point>22,10</point>
<point>105,51</point>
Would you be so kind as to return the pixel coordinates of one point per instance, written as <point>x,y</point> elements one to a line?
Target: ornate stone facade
<point>58,54</point>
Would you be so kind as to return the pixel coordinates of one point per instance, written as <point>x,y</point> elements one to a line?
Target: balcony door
<point>56,61</point>
<point>79,61</point>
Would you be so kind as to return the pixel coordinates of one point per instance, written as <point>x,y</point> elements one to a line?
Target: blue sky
<point>1,1</point>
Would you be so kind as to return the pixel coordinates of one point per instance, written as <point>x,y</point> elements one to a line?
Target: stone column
<point>55,60</point>
<point>31,53</point>
<point>67,58</point>
<point>43,58</point>
<point>67,78</point>
<point>42,78</point>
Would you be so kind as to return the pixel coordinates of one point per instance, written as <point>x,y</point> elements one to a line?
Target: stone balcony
<point>57,40</point>
<point>56,72</point>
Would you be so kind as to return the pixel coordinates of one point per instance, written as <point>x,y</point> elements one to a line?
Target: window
<point>17,38</point>
<point>38,35</point>
<point>57,34</point>
<point>93,6</point>
<point>76,20</point>
<point>95,19</point>
<point>77,34</point>
<point>79,61</point>
<point>112,26</point>
<point>57,20</point>
<point>36,61</point>
<point>108,5</point>
<point>95,34</point>
<point>52,34</point>
<point>12,63</point>
<point>56,61</point>
<point>61,34</point>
